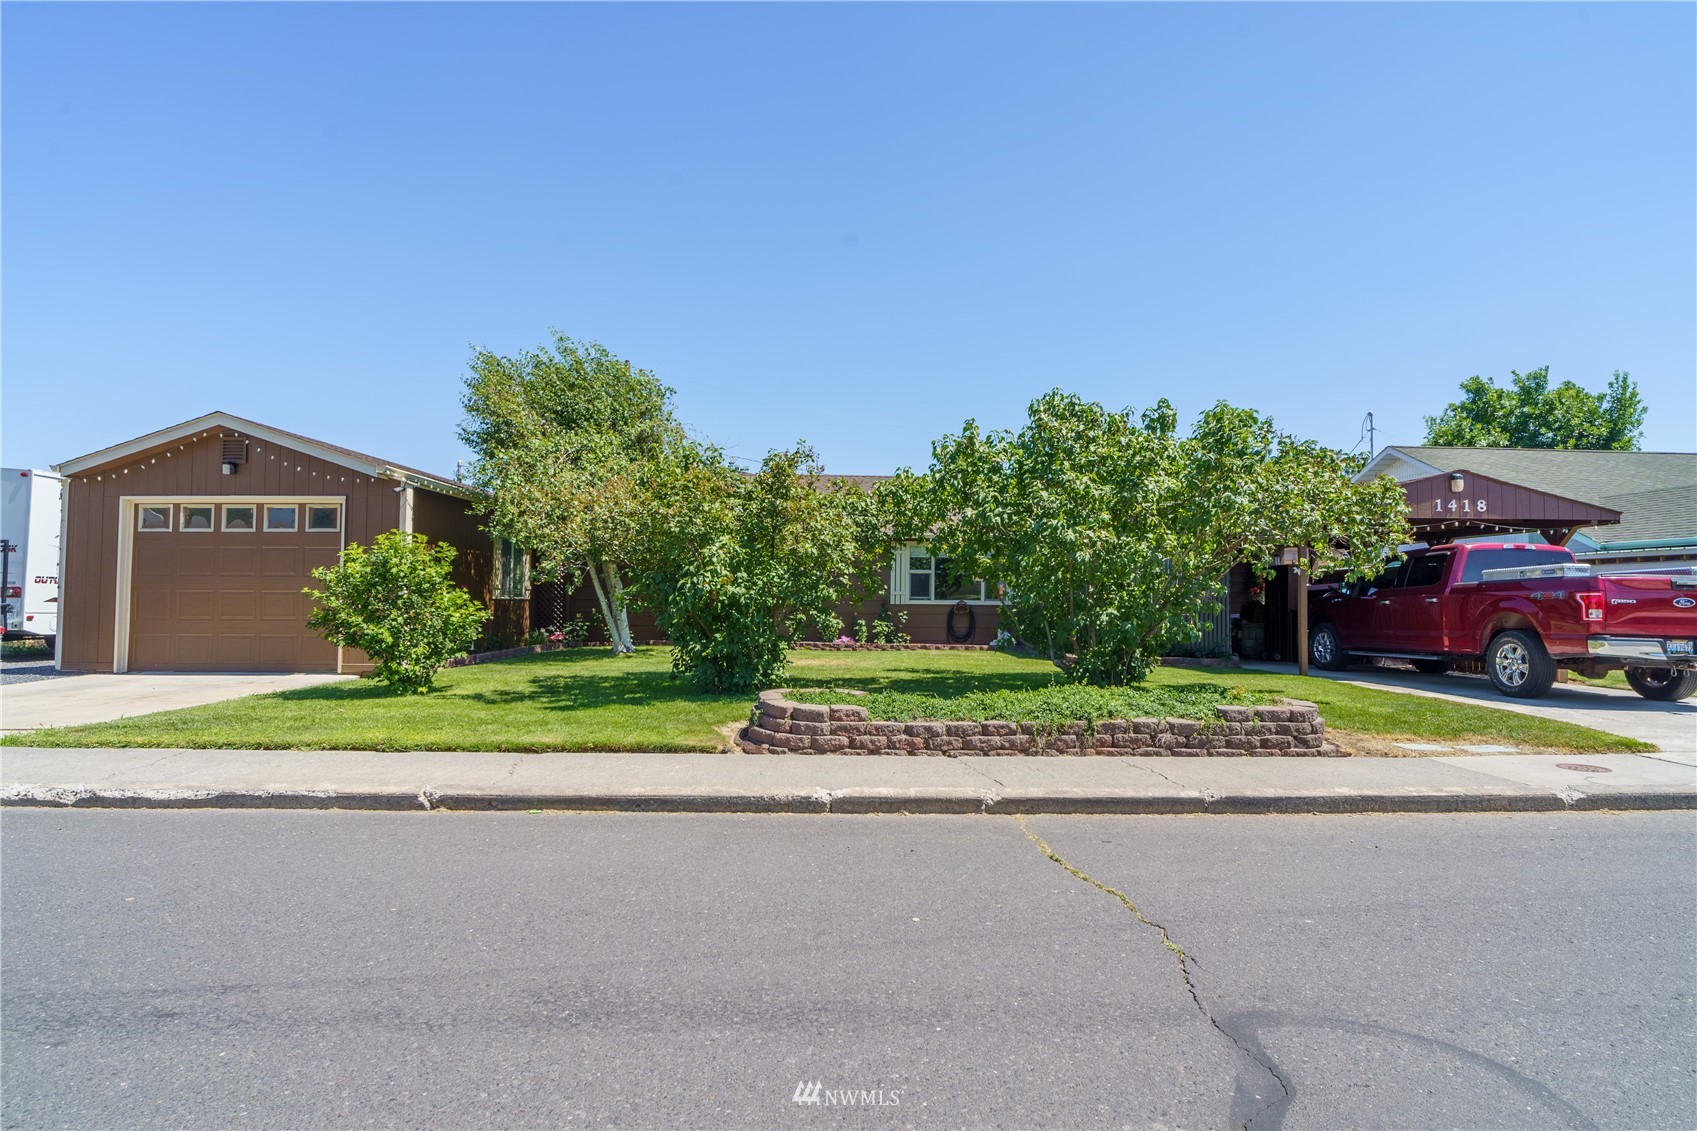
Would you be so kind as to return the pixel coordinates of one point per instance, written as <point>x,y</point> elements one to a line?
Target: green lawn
<point>585,699</point>
<point>1615,679</point>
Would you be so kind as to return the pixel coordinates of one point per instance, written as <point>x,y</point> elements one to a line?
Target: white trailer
<point>32,505</point>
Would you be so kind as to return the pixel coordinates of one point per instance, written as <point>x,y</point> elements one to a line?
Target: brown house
<point>187,549</point>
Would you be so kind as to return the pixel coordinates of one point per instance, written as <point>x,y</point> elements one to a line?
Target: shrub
<point>739,565</point>
<point>395,602</point>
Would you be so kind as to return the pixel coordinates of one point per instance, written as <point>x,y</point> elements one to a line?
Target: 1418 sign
<point>1458,506</point>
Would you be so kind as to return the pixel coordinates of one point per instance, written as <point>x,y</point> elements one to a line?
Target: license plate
<point>1679,647</point>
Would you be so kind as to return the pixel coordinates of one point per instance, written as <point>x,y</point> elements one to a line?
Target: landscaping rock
<point>781,725</point>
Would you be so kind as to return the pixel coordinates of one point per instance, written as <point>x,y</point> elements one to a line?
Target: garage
<point>217,586</point>
<point>187,549</point>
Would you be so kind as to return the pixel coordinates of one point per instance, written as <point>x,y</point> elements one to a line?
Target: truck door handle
<point>1431,600</point>
<point>1386,601</point>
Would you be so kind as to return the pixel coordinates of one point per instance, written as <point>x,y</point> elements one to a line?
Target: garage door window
<point>238,518</point>
<point>324,518</point>
<point>197,518</point>
<point>282,518</point>
<point>154,518</point>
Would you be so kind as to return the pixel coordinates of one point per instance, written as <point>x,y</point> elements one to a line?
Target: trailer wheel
<point>1324,650</point>
<point>1519,666</point>
<point>1666,684</point>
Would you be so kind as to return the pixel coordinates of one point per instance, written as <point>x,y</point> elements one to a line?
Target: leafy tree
<point>565,438</point>
<point>396,602</point>
<point>738,563</point>
<point>1531,414</point>
<point>1110,532</point>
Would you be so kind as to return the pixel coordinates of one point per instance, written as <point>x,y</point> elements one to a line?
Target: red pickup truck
<point>1523,610</point>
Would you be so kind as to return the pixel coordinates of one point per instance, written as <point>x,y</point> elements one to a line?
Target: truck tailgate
<point>1644,605</point>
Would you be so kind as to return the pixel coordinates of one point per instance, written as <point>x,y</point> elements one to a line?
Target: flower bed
<point>780,725</point>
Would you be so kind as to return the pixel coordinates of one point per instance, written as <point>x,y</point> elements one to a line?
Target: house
<point>914,590</point>
<point>187,549</point>
<point>1613,509</point>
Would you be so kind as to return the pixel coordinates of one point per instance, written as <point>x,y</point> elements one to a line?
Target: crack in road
<point>1184,964</point>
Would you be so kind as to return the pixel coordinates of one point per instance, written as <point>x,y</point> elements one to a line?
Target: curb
<point>893,801</point>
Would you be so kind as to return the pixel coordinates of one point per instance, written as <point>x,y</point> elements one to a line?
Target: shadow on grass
<point>538,682</point>
<point>929,681</point>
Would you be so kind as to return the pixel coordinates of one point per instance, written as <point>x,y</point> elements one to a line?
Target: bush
<point>740,565</point>
<point>396,603</point>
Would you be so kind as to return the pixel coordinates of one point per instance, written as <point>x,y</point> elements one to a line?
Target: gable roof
<point>1655,492</point>
<point>334,453</point>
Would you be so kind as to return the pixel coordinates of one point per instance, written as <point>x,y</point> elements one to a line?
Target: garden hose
<point>971,623</point>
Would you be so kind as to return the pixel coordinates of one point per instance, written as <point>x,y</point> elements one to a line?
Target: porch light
<point>1457,483</point>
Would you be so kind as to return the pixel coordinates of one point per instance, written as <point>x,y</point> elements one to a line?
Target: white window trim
<point>169,519</point>
<point>128,516</point>
<point>265,512</point>
<point>311,529</point>
<point>498,580</point>
<point>899,571</point>
<point>225,528</point>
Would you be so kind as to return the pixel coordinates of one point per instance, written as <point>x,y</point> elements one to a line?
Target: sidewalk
<point>825,783</point>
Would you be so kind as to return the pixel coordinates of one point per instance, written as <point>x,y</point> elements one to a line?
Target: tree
<point>1110,532</point>
<point>1530,414</point>
<point>397,603</point>
<point>565,438</point>
<point>737,564</point>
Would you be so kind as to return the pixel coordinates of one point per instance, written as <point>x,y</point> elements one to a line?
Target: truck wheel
<point>1667,684</point>
<point>1432,667</point>
<point>1519,666</point>
<point>1324,650</point>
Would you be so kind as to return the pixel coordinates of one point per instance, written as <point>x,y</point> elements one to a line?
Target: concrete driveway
<point>1671,726</point>
<point>96,698</point>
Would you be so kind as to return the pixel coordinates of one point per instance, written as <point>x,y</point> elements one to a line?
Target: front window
<point>281,518</point>
<point>933,578</point>
<point>154,518</point>
<point>197,518</point>
<point>512,571</point>
<point>238,517</point>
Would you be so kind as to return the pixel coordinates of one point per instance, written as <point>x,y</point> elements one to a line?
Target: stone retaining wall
<point>782,726</point>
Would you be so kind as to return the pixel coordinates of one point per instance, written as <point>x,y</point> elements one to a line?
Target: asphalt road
<point>322,969</point>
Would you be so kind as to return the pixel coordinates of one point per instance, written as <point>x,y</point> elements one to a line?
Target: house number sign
<point>1458,506</point>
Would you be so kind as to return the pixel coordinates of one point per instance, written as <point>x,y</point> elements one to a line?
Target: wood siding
<point>189,468</point>
<point>1488,505</point>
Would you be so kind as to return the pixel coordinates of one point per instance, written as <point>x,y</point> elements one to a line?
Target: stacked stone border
<point>779,725</point>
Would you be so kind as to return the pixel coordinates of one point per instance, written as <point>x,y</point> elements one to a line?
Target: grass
<point>585,699</point>
<point>25,648</point>
<point>1050,707</point>
<point>1354,714</point>
<point>1615,679</point>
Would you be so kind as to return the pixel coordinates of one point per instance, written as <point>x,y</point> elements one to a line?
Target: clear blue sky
<point>858,225</point>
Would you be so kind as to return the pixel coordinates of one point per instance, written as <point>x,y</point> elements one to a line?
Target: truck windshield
<point>1478,561</point>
